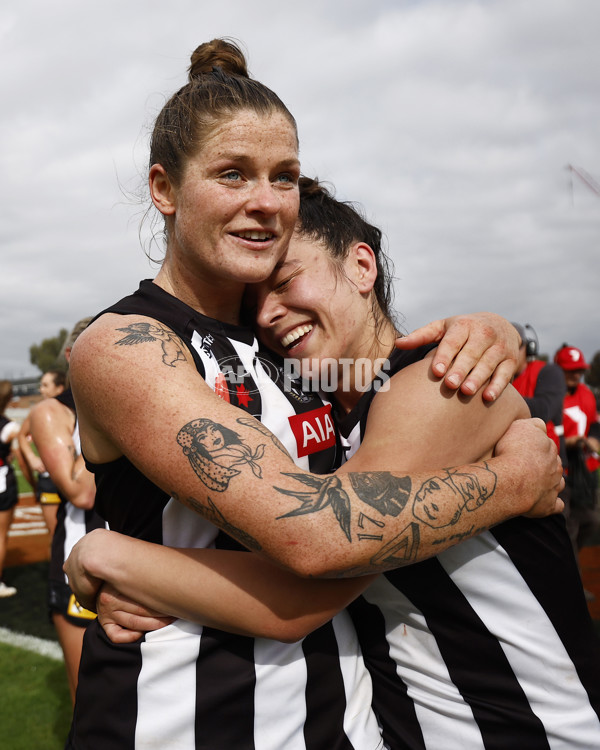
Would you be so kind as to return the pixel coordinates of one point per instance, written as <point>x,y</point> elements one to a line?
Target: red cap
<point>570,358</point>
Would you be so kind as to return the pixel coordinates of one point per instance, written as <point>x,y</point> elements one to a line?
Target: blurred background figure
<point>582,440</point>
<point>52,383</point>
<point>8,483</point>
<point>542,385</point>
<point>55,433</point>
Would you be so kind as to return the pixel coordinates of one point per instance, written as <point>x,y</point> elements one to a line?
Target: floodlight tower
<point>586,178</point>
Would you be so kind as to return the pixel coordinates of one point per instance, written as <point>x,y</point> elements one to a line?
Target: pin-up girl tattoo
<point>214,450</point>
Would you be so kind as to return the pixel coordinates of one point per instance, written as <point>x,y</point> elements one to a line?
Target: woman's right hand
<point>538,468</point>
<point>123,620</point>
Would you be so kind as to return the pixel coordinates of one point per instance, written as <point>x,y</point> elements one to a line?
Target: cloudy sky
<point>452,121</point>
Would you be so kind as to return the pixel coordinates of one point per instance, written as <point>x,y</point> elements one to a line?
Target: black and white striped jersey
<point>487,646</point>
<point>190,687</point>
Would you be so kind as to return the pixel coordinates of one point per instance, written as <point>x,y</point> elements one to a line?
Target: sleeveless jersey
<point>71,522</point>
<point>487,646</point>
<point>8,482</point>
<point>190,687</point>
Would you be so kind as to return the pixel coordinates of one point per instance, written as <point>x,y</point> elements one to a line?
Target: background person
<point>52,384</point>
<point>9,495</point>
<point>582,439</point>
<point>542,385</point>
<point>54,430</point>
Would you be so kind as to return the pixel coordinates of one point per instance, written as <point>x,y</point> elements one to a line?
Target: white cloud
<point>451,122</point>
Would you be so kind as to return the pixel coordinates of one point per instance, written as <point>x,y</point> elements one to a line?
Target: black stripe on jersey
<point>225,680</point>
<point>568,613</point>
<point>324,725</point>
<point>394,708</point>
<point>480,670</point>
<point>121,671</point>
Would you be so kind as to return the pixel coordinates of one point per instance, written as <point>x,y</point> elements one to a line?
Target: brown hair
<point>6,394</point>
<point>339,224</point>
<point>218,87</point>
<point>59,377</point>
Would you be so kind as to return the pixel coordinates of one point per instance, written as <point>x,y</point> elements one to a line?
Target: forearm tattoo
<point>218,454</point>
<point>140,333</point>
<point>210,511</point>
<point>256,425</point>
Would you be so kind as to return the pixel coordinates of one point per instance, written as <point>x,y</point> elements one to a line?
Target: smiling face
<point>232,215</point>
<point>308,308</point>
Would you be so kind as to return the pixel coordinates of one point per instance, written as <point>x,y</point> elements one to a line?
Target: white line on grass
<point>30,643</point>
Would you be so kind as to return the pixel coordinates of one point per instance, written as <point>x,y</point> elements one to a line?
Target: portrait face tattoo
<point>470,490</point>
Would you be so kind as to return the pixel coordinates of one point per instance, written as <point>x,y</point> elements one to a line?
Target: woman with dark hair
<point>455,645</point>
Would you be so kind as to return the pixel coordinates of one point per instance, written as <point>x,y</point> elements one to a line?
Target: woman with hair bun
<point>195,441</point>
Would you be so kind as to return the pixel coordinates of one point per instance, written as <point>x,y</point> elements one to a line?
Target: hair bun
<point>222,53</point>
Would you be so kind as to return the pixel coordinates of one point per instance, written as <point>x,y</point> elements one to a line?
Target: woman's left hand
<point>126,621</point>
<point>473,349</point>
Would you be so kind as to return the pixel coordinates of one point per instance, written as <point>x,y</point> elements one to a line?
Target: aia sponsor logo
<point>313,430</point>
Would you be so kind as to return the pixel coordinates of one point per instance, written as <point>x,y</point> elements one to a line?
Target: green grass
<point>35,704</point>
<point>35,709</point>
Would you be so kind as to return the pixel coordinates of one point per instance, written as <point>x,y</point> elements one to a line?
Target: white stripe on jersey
<point>280,684</point>
<point>439,706</point>
<point>74,526</point>
<point>275,412</point>
<point>168,679</point>
<point>360,724</point>
<point>535,652</point>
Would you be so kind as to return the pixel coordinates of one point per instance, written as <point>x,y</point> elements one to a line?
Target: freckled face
<point>235,209</point>
<point>307,308</point>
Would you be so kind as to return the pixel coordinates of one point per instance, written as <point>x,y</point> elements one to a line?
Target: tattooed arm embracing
<point>433,427</point>
<point>306,523</point>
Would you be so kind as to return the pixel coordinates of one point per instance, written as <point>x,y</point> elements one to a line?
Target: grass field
<point>35,705</point>
<point>35,710</point>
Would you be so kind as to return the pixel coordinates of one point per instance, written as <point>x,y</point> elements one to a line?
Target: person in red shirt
<point>582,439</point>
<point>542,385</point>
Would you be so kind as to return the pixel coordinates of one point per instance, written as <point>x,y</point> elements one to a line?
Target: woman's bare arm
<point>234,591</point>
<point>51,425</point>
<point>307,523</point>
<point>242,593</point>
<point>33,461</point>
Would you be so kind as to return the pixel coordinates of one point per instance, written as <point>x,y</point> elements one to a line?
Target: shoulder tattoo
<point>144,332</point>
